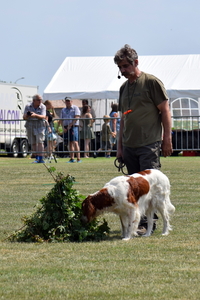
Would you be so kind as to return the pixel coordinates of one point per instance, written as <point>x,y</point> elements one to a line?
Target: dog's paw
<point>135,234</point>
<point>126,239</point>
<point>165,233</point>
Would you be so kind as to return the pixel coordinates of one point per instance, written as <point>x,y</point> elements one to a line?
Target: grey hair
<point>35,97</point>
<point>126,52</point>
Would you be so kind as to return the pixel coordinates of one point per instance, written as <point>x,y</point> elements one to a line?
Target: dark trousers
<point>140,159</point>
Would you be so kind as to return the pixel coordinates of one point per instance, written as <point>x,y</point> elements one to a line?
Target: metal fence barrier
<point>186,134</point>
<point>14,142</point>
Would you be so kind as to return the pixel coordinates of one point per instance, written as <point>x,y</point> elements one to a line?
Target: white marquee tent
<point>96,77</point>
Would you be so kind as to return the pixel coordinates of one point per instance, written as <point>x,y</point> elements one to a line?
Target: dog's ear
<point>88,208</point>
<point>137,188</point>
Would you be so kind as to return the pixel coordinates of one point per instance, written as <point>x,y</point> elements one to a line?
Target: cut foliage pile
<point>58,217</point>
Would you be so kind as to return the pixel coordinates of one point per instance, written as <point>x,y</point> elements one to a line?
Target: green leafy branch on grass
<point>58,216</point>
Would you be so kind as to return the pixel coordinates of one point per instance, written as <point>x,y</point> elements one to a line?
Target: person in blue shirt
<point>70,121</point>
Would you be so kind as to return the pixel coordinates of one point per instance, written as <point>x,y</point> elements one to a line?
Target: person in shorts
<point>35,116</point>
<point>69,119</point>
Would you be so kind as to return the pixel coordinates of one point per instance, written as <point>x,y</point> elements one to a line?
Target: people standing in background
<point>35,116</point>
<point>86,132</point>
<point>114,123</point>
<point>106,134</point>
<point>70,121</point>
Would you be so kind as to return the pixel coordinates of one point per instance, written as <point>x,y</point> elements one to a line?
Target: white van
<point>13,99</point>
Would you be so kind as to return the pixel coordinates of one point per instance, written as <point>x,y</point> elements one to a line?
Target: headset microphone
<point>118,75</point>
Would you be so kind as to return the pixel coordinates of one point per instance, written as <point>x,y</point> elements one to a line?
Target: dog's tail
<point>170,207</point>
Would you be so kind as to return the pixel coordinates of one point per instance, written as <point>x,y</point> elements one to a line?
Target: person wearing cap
<point>70,121</point>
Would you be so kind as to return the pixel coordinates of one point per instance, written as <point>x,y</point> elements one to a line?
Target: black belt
<point>75,126</point>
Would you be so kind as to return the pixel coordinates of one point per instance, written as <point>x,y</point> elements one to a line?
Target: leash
<point>55,159</point>
<point>120,165</point>
<point>53,156</point>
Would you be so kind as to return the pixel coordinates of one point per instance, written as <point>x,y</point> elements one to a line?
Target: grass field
<point>156,267</point>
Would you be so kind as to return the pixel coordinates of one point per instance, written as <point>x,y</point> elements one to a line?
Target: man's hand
<point>166,147</point>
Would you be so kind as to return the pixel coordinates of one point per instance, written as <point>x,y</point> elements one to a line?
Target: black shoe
<point>143,222</point>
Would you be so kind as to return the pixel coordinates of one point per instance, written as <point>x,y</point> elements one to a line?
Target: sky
<point>36,36</point>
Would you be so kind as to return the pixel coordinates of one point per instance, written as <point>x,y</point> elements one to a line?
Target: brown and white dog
<point>130,197</point>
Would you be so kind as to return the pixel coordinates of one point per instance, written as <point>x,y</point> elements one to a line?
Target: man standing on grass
<point>35,116</point>
<point>145,126</point>
<point>70,115</point>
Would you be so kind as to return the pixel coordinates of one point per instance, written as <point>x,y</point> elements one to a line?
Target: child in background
<point>106,134</point>
<point>51,137</point>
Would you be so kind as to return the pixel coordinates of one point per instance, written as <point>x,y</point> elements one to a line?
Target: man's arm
<point>25,116</point>
<point>39,117</point>
<point>60,122</point>
<point>74,121</point>
<point>167,130</point>
<point>34,115</point>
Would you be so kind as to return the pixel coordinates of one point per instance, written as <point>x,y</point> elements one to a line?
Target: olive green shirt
<point>106,132</point>
<point>142,124</point>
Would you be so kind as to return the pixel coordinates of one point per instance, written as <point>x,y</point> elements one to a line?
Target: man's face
<point>68,103</point>
<point>37,101</point>
<point>127,70</point>
<point>84,103</point>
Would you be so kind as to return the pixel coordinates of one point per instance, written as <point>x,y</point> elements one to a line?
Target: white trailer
<point>13,99</point>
